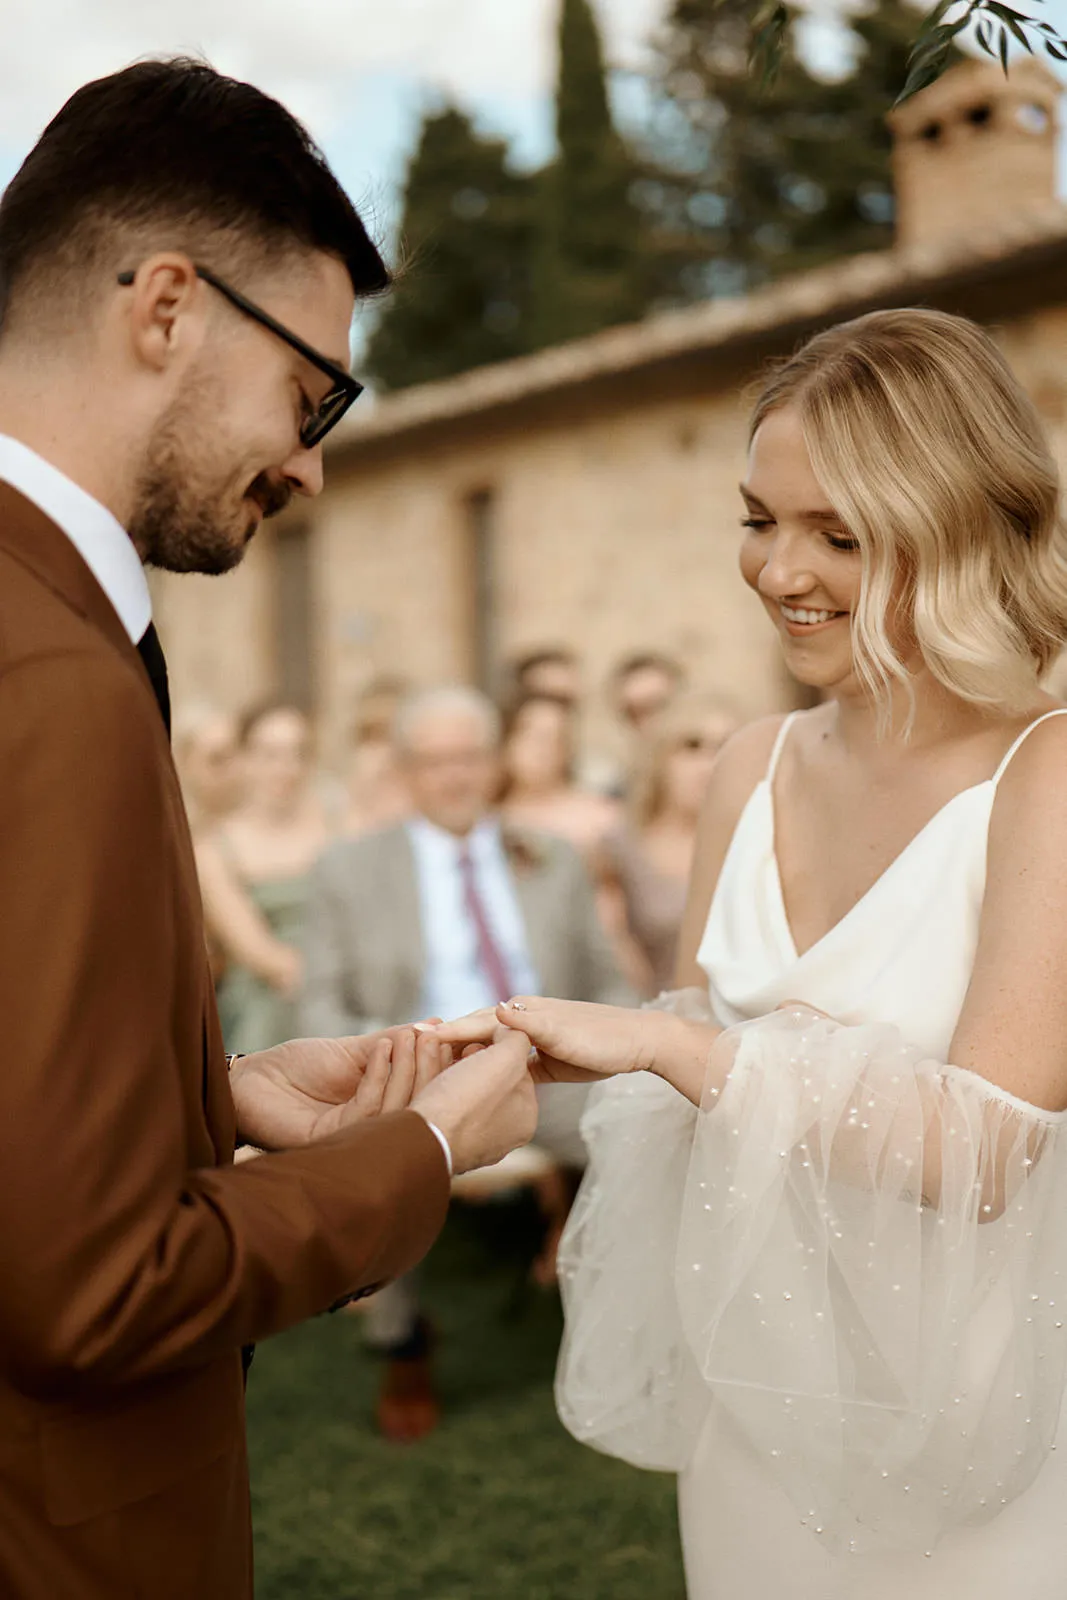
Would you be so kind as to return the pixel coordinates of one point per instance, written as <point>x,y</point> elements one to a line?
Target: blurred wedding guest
<point>468,909</point>
<point>540,788</point>
<point>205,755</point>
<point>254,873</point>
<point>553,671</point>
<point>645,865</point>
<point>375,790</point>
<point>642,687</point>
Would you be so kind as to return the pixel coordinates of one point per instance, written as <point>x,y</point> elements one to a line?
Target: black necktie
<point>151,653</point>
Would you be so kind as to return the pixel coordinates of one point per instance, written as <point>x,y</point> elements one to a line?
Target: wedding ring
<point>516,1005</point>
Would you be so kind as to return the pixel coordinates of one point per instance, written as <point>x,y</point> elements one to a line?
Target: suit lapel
<point>36,541</point>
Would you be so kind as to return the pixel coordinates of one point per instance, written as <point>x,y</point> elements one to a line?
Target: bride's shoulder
<point>1030,780</point>
<point>1028,824</point>
<point>743,760</point>
<point>747,758</point>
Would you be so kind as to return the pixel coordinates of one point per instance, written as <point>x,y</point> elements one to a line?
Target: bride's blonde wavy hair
<point>936,461</point>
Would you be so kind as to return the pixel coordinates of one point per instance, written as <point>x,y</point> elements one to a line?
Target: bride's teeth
<point>796,614</point>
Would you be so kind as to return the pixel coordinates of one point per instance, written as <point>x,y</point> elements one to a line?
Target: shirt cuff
<point>443,1142</point>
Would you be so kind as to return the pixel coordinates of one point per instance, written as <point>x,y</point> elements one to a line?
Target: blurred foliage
<point>992,24</point>
<point>500,263</point>
<point>463,296</point>
<point>748,180</point>
<point>742,173</point>
<point>591,237</point>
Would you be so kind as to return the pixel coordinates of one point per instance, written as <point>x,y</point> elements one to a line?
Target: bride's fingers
<point>530,1014</point>
<point>517,1013</point>
<point>548,1069</point>
<point>475,1028</point>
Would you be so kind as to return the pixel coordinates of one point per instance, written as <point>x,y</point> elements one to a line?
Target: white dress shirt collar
<point>99,538</point>
<point>485,835</point>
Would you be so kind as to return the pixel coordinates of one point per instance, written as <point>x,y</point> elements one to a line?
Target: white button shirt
<point>99,538</point>
<point>454,981</point>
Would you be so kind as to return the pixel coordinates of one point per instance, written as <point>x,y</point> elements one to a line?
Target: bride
<point>819,1263</point>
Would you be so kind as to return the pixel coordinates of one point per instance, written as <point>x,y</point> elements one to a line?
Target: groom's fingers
<point>431,1057</point>
<point>398,1090</point>
<point>370,1095</point>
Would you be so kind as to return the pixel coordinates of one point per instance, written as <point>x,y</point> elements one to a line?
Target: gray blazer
<point>363,939</point>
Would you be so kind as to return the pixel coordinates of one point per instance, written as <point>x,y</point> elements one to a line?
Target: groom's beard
<point>186,518</point>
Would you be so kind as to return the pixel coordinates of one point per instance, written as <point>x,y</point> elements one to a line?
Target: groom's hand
<point>485,1105</point>
<point>308,1088</point>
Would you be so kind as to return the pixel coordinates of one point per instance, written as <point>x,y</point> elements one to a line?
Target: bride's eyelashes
<point>837,541</point>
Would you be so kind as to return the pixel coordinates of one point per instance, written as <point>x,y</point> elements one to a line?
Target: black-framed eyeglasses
<point>346,389</point>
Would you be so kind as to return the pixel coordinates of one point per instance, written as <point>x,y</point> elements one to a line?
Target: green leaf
<point>930,22</point>
<point>1003,50</point>
<point>1058,55</point>
<point>1012,20</point>
<point>768,42</point>
<point>925,69</point>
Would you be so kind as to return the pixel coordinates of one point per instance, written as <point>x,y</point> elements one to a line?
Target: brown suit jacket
<point>135,1259</point>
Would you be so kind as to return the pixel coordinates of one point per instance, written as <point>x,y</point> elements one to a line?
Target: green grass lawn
<point>499,1504</point>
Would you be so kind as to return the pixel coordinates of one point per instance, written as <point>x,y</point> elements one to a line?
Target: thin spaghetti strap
<point>776,750</point>
<point>1060,711</point>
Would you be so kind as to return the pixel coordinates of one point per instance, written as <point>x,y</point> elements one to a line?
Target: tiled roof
<point>891,276</point>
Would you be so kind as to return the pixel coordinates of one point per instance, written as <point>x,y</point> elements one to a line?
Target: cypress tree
<point>590,257</point>
<point>463,298</point>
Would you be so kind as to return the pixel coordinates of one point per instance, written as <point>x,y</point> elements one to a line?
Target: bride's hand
<point>576,1041</point>
<point>579,1041</point>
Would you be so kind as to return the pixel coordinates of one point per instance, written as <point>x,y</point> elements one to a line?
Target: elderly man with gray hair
<point>439,915</point>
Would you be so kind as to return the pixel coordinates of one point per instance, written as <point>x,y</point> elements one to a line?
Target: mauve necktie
<point>151,652</point>
<point>489,953</point>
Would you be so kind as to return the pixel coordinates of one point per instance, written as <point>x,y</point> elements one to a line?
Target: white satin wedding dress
<point>833,1299</point>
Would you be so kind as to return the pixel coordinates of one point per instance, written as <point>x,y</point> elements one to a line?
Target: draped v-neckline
<point>887,873</point>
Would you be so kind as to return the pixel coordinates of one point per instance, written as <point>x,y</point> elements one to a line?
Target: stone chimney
<point>974,145</point>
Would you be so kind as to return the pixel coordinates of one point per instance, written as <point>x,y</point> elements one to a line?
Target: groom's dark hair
<point>169,155</point>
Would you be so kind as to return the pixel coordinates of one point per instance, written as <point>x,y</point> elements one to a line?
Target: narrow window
<point>482,589</point>
<point>294,616</point>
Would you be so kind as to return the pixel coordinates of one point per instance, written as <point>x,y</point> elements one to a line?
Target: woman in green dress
<point>254,873</point>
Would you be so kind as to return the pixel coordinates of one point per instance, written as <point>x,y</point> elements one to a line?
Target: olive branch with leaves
<point>995,25</point>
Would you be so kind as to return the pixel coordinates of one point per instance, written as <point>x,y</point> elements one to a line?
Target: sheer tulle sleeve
<point>864,1265</point>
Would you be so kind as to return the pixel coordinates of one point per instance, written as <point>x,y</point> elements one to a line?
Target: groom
<point>178,270</point>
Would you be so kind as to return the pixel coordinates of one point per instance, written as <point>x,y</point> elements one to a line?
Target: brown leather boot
<point>408,1407</point>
